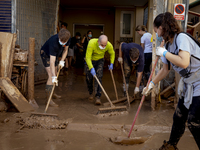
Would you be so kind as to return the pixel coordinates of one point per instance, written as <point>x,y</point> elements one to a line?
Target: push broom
<point>50,96</point>
<point>136,140</point>
<point>112,107</point>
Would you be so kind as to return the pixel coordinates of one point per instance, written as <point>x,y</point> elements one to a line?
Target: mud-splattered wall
<point>35,18</point>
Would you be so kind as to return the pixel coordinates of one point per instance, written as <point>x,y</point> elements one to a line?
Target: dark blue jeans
<point>191,115</point>
<point>98,66</point>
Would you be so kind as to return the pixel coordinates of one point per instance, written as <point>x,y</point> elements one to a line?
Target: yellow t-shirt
<point>95,53</point>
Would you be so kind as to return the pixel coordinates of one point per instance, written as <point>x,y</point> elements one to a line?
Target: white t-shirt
<point>185,43</point>
<point>146,40</point>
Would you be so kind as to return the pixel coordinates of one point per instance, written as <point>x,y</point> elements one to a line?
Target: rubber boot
<point>91,98</point>
<point>56,96</point>
<point>97,100</point>
<point>48,92</point>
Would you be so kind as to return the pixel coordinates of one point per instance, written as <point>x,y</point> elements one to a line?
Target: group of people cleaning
<point>180,51</point>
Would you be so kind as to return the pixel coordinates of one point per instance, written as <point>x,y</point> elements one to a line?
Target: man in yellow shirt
<point>95,61</point>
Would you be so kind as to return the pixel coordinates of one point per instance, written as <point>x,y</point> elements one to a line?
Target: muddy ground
<point>86,131</point>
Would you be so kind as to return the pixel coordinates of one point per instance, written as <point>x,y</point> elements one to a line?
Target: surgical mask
<point>90,35</point>
<point>133,61</point>
<point>101,47</point>
<point>61,43</point>
<point>160,39</point>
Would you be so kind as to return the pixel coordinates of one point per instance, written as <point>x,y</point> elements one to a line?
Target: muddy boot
<point>33,104</point>
<point>56,96</point>
<point>167,146</point>
<point>48,92</point>
<point>91,98</point>
<point>97,100</point>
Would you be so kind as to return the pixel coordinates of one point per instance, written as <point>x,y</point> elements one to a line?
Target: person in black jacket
<point>50,51</point>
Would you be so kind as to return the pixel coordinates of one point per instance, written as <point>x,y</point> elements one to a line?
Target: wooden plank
<point>168,88</point>
<point>14,95</point>
<point>7,52</point>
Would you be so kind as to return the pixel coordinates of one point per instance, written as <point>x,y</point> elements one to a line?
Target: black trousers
<point>98,66</point>
<point>191,115</point>
<point>147,64</point>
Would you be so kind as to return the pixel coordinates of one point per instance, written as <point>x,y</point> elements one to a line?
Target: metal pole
<point>184,23</point>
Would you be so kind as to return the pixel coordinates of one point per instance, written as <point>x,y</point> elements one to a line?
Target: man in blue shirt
<point>132,54</point>
<point>55,46</point>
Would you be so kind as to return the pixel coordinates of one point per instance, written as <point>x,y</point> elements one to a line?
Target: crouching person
<point>132,54</point>
<point>50,51</point>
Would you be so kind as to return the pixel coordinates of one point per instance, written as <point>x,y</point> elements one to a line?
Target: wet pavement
<point>85,129</point>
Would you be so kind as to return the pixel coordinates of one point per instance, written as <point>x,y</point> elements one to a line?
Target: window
<point>145,16</point>
<point>126,24</point>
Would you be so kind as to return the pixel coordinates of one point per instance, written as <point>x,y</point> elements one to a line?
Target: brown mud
<point>83,128</point>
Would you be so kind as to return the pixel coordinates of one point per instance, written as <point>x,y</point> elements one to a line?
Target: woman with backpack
<point>183,54</point>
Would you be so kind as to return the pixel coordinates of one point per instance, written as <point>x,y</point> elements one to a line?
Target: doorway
<point>97,29</point>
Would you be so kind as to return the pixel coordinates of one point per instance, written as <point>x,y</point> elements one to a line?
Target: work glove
<point>147,91</point>
<point>110,67</point>
<point>120,59</point>
<point>136,90</point>
<point>54,80</point>
<point>61,64</point>
<point>92,71</point>
<point>161,51</point>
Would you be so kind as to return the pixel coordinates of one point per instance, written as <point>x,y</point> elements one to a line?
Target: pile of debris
<point>42,122</point>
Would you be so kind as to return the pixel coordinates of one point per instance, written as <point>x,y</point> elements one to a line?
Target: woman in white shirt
<point>183,53</point>
<point>147,47</point>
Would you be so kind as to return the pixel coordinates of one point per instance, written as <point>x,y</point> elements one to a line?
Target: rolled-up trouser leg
<point>179,122</point>
<point>99,71</point>
<point>194,119</point>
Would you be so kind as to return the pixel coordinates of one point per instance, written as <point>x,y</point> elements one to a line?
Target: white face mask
<point>101,47</point>
<point>133,61</point>
<point>61,43</point>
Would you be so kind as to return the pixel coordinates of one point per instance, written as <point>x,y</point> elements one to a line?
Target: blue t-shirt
<point>126,47</point>
<point>53,47</point>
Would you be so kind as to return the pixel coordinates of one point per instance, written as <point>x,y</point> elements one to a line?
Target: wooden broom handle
<point>111,104</point>
<point>125,84</point>
<point>51,92</point>
<point>114,84</point>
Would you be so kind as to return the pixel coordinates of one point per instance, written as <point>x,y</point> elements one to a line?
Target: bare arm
<point>82,41</point>
<point>161,74</point>
<point>181,60</point>
<point>139,77</point>
<point>64,55</point>
<point>52,65</point>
